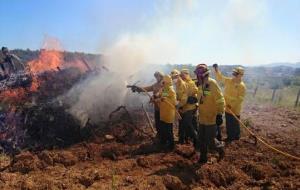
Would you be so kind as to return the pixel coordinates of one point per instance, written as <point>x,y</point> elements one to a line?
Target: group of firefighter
<point>199,106</point>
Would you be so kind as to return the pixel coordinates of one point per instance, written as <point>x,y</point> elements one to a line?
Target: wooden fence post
<point>297,99</point>
<point>255,90</point>
<point>273,94</point>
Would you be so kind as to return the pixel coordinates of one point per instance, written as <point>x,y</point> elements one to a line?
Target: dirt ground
<point>131,161</point>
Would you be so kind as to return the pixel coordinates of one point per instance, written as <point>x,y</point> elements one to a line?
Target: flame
<point>12,95</point>
<point>48,60</point>
<point>34,85</point>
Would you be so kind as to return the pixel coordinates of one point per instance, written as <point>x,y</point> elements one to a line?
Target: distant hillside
<point>294,65</point>
<point>266,74</point>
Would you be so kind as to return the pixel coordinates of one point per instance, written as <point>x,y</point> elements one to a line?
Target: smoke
<point>52,43</point>
<point>181,32</point>
<point>126,63</point>
<point>129,59</point>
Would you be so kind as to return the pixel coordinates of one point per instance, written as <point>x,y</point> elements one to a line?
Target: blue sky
<point>246,32</point>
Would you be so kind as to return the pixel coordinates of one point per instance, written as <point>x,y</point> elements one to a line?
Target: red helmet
<point>201,71</point>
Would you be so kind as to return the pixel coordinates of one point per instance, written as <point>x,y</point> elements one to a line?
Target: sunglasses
<point>235,74</point>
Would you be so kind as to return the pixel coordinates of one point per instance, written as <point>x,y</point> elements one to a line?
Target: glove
<point>180,109</point>
<point>192,100</point>
<point>156,100</point>
<point>136,89</point>
<point>219,119</point>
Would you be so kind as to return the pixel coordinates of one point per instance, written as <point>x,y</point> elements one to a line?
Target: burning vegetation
<point>31,115</point>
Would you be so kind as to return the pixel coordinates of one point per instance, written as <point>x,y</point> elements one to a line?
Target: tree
<point>287,81</point>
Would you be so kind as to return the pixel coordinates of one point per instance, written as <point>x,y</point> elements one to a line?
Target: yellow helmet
<point>158,74</point>
<point>167,80</point>
<point>174,73</point>
<point>238,70</point>
<point>185,71</point>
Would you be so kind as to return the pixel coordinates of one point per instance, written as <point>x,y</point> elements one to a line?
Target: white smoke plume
<point>179,32</point>
<point>128,60</point>
<point>99,95</point>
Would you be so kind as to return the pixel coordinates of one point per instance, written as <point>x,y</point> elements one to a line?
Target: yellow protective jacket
<point>191,90</point>
<point>211,102</point>
<point>168,102</point>
<point>155,88</point>
<point>234,93</point>
<point>181,92</point>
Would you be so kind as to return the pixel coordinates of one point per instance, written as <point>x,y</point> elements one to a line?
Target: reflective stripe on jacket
<point>167,105</point>
<point>211,102</point>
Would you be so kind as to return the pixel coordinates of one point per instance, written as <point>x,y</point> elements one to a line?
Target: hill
<point>284,64</point>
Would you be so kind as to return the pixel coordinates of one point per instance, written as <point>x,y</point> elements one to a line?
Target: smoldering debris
<point>42,119</point>
<point>34,118</point>
<point>19,79</point>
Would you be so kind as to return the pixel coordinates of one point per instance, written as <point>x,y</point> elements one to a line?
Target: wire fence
<point>288,96</point>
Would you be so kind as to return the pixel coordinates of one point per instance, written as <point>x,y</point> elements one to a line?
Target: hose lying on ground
<point>262,141</point>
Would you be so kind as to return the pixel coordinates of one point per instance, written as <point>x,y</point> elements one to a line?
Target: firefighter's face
<point>183,76</point>
<point>175,77</point>
<point>202,80</point>
<point>237,75</point>
<point>158,78</point>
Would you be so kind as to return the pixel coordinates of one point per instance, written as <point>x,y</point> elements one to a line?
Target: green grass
<point>285,97</point>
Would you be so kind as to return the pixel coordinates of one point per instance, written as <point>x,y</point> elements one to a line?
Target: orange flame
<point>13,95</point>
<point>48,60</point>
<point>34,85</point>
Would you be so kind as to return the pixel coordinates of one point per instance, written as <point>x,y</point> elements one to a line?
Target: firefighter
<point>189,109</point>
<point>155,88</point>
<point>181,95</point>
<point>211,108</point>
<point>234,93</point>
<point>167,103</point>
<point>8,66</point>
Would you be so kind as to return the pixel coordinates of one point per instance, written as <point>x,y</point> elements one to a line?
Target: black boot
<point>196,144</point>
<point>202,160</point>
<point>181,141</point>
<point>221,154</point>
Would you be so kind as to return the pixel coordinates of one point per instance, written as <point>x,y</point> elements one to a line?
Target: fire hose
<point>166,101</point>
<point>148,119</point>
<point>262,141</point>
